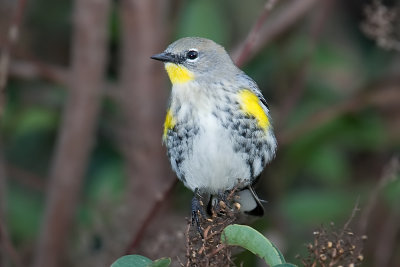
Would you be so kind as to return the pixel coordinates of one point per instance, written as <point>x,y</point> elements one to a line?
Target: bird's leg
<point>196,209</point>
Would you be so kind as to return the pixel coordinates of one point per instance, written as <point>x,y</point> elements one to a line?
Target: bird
<point>217,130</point>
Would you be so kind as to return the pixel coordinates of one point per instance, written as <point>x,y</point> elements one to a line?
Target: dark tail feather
<point>250,203</point>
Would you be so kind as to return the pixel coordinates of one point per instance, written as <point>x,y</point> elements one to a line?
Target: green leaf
<point>163,262</point>
<point>250,239</point>
<point>132,261</point>
<point>140,261</point>
<point>285,265</point>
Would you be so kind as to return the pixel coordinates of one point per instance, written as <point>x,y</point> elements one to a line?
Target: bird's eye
<point>192,54</point>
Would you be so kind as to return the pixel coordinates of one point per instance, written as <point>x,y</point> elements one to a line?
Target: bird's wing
<point>250,84</point>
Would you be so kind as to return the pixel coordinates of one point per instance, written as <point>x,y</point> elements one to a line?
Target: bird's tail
<point>249,202</point>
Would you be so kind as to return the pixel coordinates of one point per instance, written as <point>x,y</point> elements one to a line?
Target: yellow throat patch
<point>178,73</point>
<point>168,124</point>
<point>250,104</point>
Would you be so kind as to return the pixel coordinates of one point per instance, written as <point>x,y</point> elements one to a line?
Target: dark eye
<point>192,54</point>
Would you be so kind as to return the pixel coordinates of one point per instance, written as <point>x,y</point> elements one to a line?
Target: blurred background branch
<point>11,38</point>
<point>75,140</point>
<point>288,14</point>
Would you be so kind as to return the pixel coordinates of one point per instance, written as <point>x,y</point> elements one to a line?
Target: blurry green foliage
<point>306,206</point>
<point>24,213</point>
<point>201,16</point>
<point>392,192</point>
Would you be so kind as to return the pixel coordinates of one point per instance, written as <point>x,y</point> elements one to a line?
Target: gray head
<point>200,56</point>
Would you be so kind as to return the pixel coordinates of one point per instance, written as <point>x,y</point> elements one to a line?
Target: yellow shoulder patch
<point>250,104</point>
<point>169,123</point>
<point>178,73</point>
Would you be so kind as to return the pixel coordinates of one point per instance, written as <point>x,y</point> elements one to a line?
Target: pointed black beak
<point>164,57</point>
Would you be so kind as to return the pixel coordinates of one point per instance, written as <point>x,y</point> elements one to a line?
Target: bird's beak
<point>164,57</point>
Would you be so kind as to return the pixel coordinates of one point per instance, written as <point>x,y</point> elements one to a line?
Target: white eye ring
<point>192,54</point>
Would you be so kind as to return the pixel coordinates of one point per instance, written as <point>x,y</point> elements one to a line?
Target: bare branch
<point>34,70</point>
<point>25,178</point>
<point>298,86</point>
<point>353,214</point>
<point>286,16</point>
<point>13,33</point>
<point>254,32</point>
<point>383,96</point>
<point>89,49</point>
<point>388,175</point>
<point>30,70</point>
<point>149,218</point>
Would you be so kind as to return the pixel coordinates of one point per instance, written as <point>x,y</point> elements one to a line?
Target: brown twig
<point>33,70</point>
<point>187,244</point>
<point>25,178</point>
<point>285,17</point>
<point>298,86</point>
<point>388,174</point>
<point>353,215</point>
<point>88,61</point>
<point>254,32</point>
<point>384,95</point>
<point>12,37</point>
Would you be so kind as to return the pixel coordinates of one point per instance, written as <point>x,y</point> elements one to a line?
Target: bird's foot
<point>197,210</point>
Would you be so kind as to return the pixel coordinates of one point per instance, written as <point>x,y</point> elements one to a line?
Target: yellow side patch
<point>169,123</point>
<point>250,104</point>
<point>178,73</point>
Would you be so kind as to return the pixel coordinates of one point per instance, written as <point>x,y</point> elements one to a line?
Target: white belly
<point>213,164</point>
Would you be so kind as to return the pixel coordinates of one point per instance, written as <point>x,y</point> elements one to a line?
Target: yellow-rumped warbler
<point>217,129</point>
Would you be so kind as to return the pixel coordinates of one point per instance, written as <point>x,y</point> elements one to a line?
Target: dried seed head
<point>323,257</point>
<point>360,257</point>
<point>222,204</point>
<point>329,244</point>
<point>237,205</point>
<point>334,253</point>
